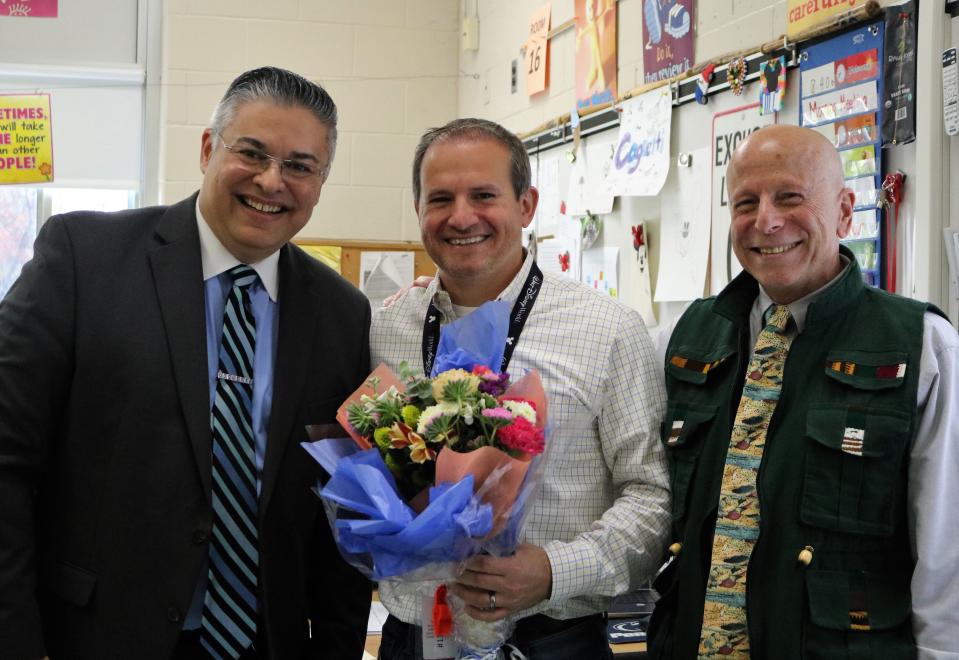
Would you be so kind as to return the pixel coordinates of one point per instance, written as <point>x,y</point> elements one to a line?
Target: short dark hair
<point>476,129</point>
<point>283,88</point>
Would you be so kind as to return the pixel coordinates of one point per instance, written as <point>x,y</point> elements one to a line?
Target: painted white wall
<point>391,66</point>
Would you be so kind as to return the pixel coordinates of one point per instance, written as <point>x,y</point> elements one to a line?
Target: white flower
<point>521,409</point>
<point>432,413</point>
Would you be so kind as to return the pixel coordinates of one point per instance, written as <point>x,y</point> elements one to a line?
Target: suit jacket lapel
<point>178,276</point>
<point>299,302</point>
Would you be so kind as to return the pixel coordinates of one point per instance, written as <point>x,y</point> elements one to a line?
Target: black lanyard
<point>517,319</point>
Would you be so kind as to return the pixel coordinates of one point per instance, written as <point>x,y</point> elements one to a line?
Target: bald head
<point>790,209</point>
<point>801,148</point>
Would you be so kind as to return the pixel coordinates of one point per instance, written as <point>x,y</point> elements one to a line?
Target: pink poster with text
<point>29,8</point>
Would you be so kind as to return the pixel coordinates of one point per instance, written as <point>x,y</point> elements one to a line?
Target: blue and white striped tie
<point>230,606</point>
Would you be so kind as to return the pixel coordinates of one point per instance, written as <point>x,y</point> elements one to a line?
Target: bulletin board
<point>344,256</point>
<point>683,207</point>
<point>840,96</point>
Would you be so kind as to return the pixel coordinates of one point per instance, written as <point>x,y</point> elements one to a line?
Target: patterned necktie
<point>230,606</point>
<point>724,633</point>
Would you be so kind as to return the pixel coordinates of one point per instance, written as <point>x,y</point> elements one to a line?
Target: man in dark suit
<point>112,531</point>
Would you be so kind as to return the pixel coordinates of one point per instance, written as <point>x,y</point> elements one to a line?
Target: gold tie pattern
<point>724,633</point>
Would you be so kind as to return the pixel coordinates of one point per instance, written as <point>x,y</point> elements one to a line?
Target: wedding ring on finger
<point>492,600</point>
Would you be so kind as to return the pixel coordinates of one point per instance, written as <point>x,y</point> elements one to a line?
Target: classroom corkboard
<point>344,256</point>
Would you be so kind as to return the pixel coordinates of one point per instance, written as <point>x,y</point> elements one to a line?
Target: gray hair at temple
<point>476,129</point>
<point>283,88</point>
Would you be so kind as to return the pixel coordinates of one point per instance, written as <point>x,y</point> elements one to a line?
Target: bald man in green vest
<point>813,434</point>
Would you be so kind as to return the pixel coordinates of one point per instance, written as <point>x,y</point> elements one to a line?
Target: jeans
<point>577,639</point>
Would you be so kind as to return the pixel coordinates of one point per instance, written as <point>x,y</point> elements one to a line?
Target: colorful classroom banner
<point>841,72</point>
<point>595,53</point>
<point>26,149</point>
<point>802,15</point>
<point>846,102</point>
<point>537,51</point>
<point>668,35</point>
<point>29,8</point>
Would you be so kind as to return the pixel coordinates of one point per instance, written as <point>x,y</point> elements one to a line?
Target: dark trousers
<point>188,647</point>
<point>538,637</point>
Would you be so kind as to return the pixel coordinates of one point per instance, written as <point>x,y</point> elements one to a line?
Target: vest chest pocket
<point>683,429</point>
<point>852,467</point>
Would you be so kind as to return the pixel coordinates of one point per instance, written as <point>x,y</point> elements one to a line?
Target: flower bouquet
<point>437,470</point>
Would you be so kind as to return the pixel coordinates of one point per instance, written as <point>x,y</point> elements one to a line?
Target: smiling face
<point>254,214</point>
<point>470,218</point>
<point>789,210</point>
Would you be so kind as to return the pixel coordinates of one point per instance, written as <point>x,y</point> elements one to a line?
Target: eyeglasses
<point>257,160</point>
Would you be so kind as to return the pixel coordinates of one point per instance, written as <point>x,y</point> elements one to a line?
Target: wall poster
<point>668,38</point>
<point>26,149</point>
<point>595,53</point>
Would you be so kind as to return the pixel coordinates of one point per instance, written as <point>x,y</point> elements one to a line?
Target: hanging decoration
<point>890,199</point>
<point>702,83</point>
<point>638,240</point>
<point>564,261</point>
<point>736,75</point>
<point>772,85</point>
<point>591,226</point>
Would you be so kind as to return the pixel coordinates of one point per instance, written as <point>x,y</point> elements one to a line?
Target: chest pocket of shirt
<point>683,431</point>
<point>852,467</point>
<point>689,415</point>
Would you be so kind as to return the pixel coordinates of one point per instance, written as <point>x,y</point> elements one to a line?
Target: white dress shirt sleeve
<point>934,494</point>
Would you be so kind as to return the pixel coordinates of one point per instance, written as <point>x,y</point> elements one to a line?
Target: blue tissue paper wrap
<point>390,539</point>
<point>478,338</point>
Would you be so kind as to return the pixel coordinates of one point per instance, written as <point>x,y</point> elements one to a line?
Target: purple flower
<point>494,386</point>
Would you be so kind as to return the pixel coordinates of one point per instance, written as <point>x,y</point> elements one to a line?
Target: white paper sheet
<point>549,252</point>
<point>684,225</point>
<point>601,270</point>
<point>587,180</point>
<point>384,273</point>
<point>641,159</point>
<point>546,180</point>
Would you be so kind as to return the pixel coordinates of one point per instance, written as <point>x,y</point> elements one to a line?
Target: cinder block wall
<point>390,65</point>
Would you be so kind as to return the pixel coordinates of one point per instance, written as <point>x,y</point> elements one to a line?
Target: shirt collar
<point>797,308</point>
<point>441,298</point>
<point>216,259</point>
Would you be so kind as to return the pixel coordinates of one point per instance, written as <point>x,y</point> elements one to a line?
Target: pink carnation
<point>522,436</point>
<point>497,413</point>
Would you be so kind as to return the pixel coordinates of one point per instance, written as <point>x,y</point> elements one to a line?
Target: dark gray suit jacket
<point>105,445</point>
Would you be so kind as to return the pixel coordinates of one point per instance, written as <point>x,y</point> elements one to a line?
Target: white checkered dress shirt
<point>602,515</point>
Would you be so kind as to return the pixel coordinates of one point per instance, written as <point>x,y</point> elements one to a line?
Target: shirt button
<point>199,536</point>
<point>173,615</point>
